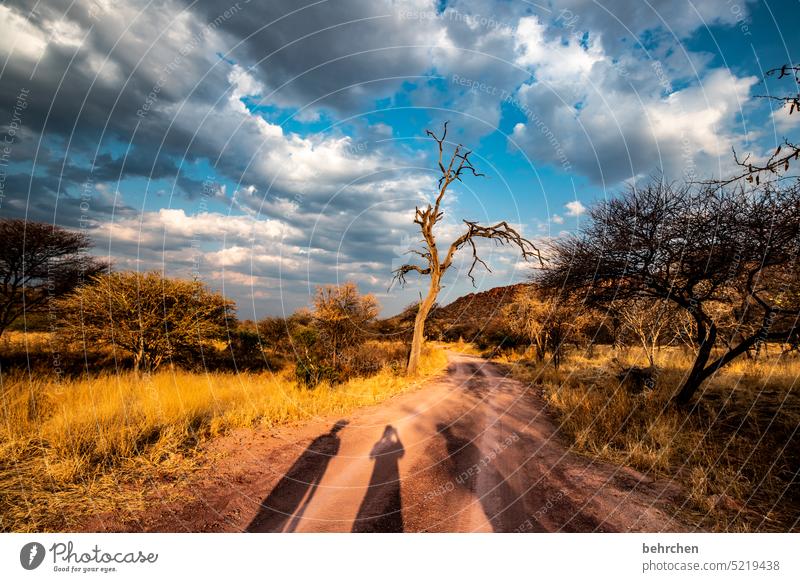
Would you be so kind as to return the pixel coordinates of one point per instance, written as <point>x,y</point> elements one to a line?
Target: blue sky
<point>273,147</point>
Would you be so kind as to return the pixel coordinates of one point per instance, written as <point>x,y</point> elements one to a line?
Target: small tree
<point>39,262</point>
<point>648,322</point>
<point>435,266</point>
<point>547,322</point>
<point>342,315</point>
<point>150,317</point>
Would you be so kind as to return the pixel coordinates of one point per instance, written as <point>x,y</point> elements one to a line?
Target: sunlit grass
<point>82,445</point>
<point>462,347</point>
<point>735,452</point>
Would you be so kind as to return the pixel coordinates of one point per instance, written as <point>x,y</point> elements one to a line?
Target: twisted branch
<point>502,233</point>
<point>793,101</point>
<point>776,165</point>
<point>400,273</point>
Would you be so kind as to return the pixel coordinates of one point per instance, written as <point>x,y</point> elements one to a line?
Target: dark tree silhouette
<point>694,249</point>
<point>39,262</point>
<point>435,267</point>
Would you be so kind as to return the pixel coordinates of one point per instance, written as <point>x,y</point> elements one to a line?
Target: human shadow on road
<point>298,485</point>
<point>475,472</point>
<point>381,509</point>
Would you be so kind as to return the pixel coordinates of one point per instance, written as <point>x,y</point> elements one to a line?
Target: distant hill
<point>477,310</point>
<point>473,317</point>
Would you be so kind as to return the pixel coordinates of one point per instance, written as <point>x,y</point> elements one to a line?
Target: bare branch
<point>400,273</point>
<point>502,233</point>
<point>774,168</point>
<point>466,164</point>
<point>440,142</point>
<point>793,101</point>
<point>475,260</point>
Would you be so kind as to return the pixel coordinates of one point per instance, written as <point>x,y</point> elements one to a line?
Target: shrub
<point>146,315</point>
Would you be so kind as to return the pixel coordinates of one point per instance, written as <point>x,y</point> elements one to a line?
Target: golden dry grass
<point>462,347</point>
<point>85,446</point>
<point>737,452</point>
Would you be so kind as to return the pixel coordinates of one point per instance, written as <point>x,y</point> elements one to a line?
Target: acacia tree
<point>435,265</point>
<point>39,262</point>
<point>150,317</point>
<point>342,315</point>
<point>695,249</point>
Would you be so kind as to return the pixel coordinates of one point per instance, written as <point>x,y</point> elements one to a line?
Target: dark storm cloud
<point>308,51</point>
<point>105,78</point>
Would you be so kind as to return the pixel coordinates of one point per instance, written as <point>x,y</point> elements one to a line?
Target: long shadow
<point>503,507</point>
<point>381,509</point>
<point>298,485</point>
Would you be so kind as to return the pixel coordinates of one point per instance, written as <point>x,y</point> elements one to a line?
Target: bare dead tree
<point>435,267</point>
<point>647,322</point>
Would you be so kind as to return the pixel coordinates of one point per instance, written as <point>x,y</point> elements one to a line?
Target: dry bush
<point>373,356</point>
<point>737,452</point>
<point>327,344</point>
<point>81,447</point>
<point>547,323</point>
<point>342,316</point>
<point>14,344</point>
<point>150,317</point>
<point>467,348</point>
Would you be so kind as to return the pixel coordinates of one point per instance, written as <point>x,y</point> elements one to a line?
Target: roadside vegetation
<point>74,448</point>
<point>663,336</point>
<point>736,453</point>
<point>142,370</point>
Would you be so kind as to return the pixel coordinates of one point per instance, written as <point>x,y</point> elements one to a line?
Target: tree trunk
<point>556,339</point>
<point>706,340</point>
<point>702,370</point>
<point>540,351</point>
<point>137,360</point>
<point>419,326</point>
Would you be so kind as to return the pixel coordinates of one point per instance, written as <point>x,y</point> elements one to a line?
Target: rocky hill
<point>473,317</point>
<point>478,310</point>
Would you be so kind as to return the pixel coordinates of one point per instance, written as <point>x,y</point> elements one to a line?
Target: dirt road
<point>471,451</point>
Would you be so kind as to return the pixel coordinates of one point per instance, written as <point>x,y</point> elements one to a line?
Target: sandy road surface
<point>470,451</point>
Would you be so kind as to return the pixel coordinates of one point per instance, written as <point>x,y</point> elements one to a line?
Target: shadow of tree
<point>503,507</point>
